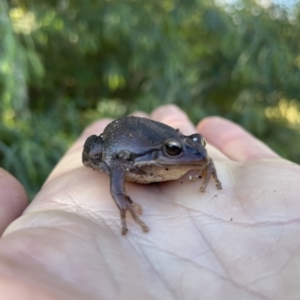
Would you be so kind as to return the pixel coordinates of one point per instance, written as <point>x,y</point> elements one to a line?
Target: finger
<point>233,140</point>
<point>176,118</point>
<point>13,199</point>
<point>140,114</point>
<point>72,159</point>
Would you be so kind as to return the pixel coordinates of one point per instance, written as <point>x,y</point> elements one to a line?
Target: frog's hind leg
<point>123,201</point>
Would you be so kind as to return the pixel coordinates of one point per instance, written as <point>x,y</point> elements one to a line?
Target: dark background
<point>66,63</point>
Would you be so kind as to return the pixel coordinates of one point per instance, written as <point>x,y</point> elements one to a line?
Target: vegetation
<point>66,63</point>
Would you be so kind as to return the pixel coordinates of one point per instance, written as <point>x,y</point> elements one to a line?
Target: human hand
<point>13,199</point>
<point>241,242</point>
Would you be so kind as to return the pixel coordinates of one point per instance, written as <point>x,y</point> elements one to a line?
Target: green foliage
<point>65,63</point>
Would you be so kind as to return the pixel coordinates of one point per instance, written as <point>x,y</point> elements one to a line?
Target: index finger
<point>233,141</point>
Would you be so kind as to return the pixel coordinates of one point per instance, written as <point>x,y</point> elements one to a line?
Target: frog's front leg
<point>123,201</point>
<point>208,171</point>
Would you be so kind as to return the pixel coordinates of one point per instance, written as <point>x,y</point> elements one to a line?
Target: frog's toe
<point>134,209</point>
<point>124,230</point>
<point>203,188</point>
<point>123,221</point>
<point>145,228</point>
<point>219,184</point>
<point>138,208</point>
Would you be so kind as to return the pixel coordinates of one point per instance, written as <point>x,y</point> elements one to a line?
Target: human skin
<point>241,242</point>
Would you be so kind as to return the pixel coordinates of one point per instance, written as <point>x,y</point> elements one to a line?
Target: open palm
<point>241,242</point>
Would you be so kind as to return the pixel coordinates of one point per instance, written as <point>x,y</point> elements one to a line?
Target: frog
<point>144,151</point>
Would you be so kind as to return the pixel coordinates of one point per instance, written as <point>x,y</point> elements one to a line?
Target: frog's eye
<point>198,138</point>
<point>173,148</point>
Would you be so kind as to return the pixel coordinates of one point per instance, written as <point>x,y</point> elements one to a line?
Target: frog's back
<point>132,133</point>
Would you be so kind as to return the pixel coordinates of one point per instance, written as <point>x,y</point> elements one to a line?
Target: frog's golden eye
<point>173,148</point>
<point>203,142</point>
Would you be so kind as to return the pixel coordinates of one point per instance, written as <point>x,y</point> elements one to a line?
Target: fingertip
<point>95,128</point>
<point>140,114</point>
<point>233,140</point>
<point>13,199</point>
<point>167,108</point>
<point>173,116</point>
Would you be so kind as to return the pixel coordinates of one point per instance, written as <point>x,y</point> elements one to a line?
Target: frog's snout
<point>202,155</point>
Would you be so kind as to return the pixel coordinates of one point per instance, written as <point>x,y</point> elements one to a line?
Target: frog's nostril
<point>202,155</point>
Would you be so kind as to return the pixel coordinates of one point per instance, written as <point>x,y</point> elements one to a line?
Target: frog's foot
<point>216,180</point>
<point>134,209</point>
<point>138,208</point>
<point>135,212</point>
<point>209,171</point>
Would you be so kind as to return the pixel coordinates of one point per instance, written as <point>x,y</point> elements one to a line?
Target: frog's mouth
<point>174,164</point>
<point>197,160</point>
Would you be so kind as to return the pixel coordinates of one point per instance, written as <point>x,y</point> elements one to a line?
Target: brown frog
<point>145,151</point>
